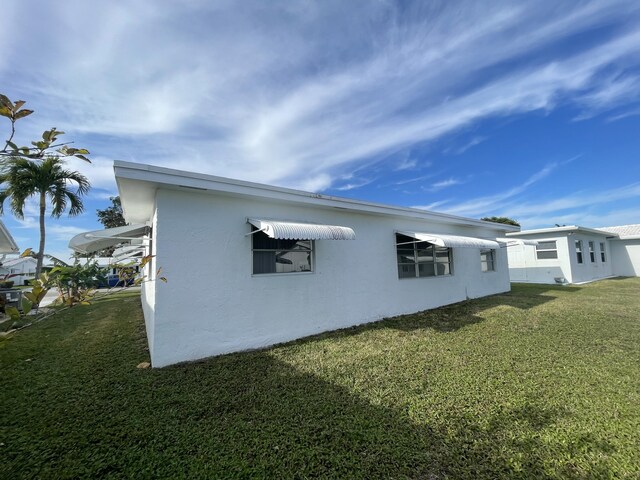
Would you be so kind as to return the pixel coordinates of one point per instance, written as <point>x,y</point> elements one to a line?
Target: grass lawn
<point>541,382</point>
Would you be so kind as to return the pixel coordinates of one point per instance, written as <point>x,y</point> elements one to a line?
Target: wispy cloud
<point>449,182</point>
<point>487,204</point>
<point>434,205</point>
<point>407,163</point>
<point>620,116</point>
<point>574,200</point>
<point>465,146</point>
<point>298,93</point>
<point>354,185</point>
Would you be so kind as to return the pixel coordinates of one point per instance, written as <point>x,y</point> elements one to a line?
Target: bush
<point>6,284</point>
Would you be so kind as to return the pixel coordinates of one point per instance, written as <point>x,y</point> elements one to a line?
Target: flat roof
<point>138,183</point>
<point>624,232</point>
<point>563,229</point>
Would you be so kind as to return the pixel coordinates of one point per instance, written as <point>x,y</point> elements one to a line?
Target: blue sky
<point>524,109</point>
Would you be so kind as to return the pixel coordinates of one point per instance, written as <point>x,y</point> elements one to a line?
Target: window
<point>487,260</point>
<point>546,250</point>
<point>579,250</point>
<point>603,256</point>
<point>592,252</point>
<point>421,259</point>
<point>272,255</point>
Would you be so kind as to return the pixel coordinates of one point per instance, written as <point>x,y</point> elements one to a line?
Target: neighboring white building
<point>625,249</point>
<point>573,254</point>
<point>19,270</point>
<point>251,265</point>
<point>7,246</point>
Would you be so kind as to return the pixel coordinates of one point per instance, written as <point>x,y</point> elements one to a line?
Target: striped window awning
<point>128,251</point>
<point>511,242</point>
<point>452,241</point>
<point>302,231</point>
<point>97,240</point>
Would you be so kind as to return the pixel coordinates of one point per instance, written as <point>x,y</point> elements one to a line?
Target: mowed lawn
<point>541,382</point>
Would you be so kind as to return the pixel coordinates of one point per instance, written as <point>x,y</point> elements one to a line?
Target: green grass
<point>542,382</point>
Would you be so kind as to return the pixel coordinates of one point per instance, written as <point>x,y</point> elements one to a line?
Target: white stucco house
<point>251,265</point>
<point>18,270</point>
<point>574,254</point>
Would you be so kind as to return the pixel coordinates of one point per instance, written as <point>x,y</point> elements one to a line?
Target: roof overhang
<point>562,230</point>
<point>96,240</point>
<point>302,231</point>
<point>138,183</point>
<point>452,241</point>
<point>7,243</point>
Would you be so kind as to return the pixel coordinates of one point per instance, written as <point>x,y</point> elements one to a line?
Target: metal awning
<point>511,242</point>
<point>97,240</point>
<point>302,231</point>
<point>452,241</point>
<point>128,251</point>
<point>7,243</point>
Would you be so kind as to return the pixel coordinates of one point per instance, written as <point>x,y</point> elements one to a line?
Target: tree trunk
<point>40,256</point>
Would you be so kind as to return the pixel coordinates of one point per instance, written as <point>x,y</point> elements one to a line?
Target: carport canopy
<point>94,241</point>
<point>452,241</point>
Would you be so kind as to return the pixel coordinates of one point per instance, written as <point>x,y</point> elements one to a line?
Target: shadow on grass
<point>264,418</point>
<point>450,318</point>
<point>91,414</point>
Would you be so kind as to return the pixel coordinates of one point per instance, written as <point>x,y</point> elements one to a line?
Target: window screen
<point>271,255</point>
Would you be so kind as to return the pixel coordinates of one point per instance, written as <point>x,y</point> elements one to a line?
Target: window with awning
<point>287,247</point>
<point>302,231</point>
<point>419,258</point>
<point>451,241</point>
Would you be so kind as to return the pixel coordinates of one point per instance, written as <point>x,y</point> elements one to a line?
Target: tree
<point>23,178</point>
<point>505,220</point>
<point>112,217</point>
<point>47,147</point>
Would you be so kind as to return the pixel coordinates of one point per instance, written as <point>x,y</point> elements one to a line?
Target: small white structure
<point>19,270</point>
<point>573,254</point>
<point>251,265</point>
<point>625,249</point>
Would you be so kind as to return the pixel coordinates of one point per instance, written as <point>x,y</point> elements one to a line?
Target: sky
<point>529,110</point>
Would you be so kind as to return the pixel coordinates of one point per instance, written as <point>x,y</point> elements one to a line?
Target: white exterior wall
<point>23,271</point>
<point>625,255</point>
<point>524,266</point>
<point>212,304</point>
<point>588,270</point>
<point>148,289</point>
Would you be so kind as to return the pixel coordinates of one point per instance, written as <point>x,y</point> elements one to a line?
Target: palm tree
<point>21,178</point>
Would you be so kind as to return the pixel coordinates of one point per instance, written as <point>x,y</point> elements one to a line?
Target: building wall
<point>626,257</point>
<point>588,270</point>
<point>524,266</point>
<point>148,289</point>
<point>212,304</point>
<point>23,271</point>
